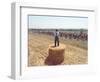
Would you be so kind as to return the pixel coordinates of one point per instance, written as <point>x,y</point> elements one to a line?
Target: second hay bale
<point>56,55</point>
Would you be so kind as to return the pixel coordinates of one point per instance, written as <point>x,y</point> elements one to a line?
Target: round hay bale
<point>56,55</point>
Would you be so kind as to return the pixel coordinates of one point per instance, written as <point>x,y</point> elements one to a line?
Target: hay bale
<point>56,55</point>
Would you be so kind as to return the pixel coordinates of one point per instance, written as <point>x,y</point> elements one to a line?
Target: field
<point>76,51</point>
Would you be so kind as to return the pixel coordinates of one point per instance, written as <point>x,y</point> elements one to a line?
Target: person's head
<point>56,30</point>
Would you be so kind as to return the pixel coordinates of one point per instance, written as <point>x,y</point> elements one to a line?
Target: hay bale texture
<point>56,55</point>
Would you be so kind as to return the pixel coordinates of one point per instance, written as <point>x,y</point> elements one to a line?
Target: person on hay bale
<point>56,35</point>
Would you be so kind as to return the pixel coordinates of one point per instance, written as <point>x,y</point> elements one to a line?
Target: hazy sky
<point>58,22</point>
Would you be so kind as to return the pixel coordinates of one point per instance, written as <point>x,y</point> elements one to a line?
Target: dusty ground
<point>75,52</point>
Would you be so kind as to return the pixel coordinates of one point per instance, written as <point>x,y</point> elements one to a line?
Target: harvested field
<point>76,51</point>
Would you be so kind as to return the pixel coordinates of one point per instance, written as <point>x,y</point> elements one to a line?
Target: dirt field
<point>75,52</point>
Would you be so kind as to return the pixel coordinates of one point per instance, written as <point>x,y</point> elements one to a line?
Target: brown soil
<point>75,51</point>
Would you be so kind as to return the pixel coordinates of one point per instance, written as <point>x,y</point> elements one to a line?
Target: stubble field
<point>76,52</point>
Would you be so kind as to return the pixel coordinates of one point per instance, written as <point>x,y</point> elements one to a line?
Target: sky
<point>57,22</point>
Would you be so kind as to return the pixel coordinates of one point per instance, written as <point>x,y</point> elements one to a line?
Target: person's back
<point>56,34</point>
